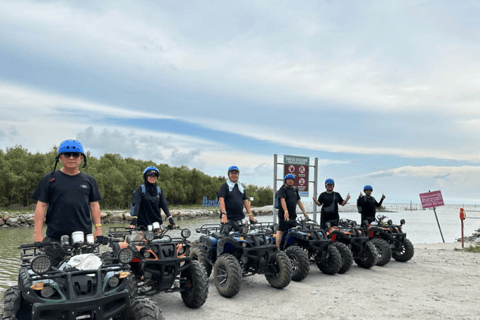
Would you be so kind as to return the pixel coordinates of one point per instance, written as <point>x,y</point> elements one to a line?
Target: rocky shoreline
<point>25,220</point>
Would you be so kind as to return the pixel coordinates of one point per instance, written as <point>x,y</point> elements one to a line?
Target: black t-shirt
<point>329,207</point>
<point>367,206</point>
<point>68,199</point>
<point>291,196</point>
<point>147,207</point>
<point>233,201</point>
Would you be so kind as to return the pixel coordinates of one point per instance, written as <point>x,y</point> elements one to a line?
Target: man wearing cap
<point>67,198</point>
<point>232,197</point>
<point>289,199</point>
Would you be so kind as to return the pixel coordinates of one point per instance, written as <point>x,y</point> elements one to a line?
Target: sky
<point>383,93</point>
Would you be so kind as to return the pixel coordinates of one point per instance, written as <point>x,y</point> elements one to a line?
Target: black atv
<point>83,285</point>
<point>313,243</point>
<point>162,263</point>
<point>240,253</point>
<point>347,232</point>
<point>379,231</point>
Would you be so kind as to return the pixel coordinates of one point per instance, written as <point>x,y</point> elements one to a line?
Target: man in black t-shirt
<point>367,204</point>
<point>289,198</point>
<point>329,200</point>
<point>232,197</point>
<point>67,198</point>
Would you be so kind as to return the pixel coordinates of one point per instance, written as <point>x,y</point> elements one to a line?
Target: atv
<point>314,245</point>
<point>83,285</point>
<point>401,248</point>
<point>347,232</point>
<point>238,254</point>
<point>162,263</point>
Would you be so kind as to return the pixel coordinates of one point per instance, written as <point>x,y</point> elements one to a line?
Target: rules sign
<point>299,167</point>
<point>431,199</point>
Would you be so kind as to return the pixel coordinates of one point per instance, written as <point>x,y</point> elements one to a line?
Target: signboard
<point>299,167</point>
<point>431,199</point>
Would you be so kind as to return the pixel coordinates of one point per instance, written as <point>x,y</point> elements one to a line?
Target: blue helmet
<point>233,168</point>
<point>367,187</point>
<point>289,176</point>
<point>70,146</point>
<point>149,170</point>
<point>329,181</point>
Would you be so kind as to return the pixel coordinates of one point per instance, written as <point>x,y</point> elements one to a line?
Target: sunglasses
<point>70,154</point>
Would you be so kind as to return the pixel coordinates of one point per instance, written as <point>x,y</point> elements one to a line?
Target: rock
<point>117,217</point>
<point>22,219</point>
<point>12,221</point>
<point>2,222</point>
<point>5,226</point>
<point>31,220</point>
<point>103,215</point>
<point>6,217</point>
<point>128,217</point>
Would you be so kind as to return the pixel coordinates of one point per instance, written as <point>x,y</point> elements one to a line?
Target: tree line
<point>117,178</point>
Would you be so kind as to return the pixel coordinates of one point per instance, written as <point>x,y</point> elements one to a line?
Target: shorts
<point>284,225</point>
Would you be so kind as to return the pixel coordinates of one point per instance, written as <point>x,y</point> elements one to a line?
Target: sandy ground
<point>438,283</point>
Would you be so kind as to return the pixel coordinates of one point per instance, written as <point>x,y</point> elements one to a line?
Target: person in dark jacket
<point>147,200</point>
<point>367,204</point>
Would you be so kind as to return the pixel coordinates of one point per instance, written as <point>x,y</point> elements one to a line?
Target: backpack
<point>132,206</point>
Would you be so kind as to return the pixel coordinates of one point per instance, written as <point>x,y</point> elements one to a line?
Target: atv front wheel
<point>384,252</point>
<point>12,301</point>
<point>299,260</point>
<point>227,275</point>
<point>200,253</point>
<point>195,290</point>
<point>332,263</point>
<point>141,309</point>
<point>347,257</point>
<point>405,253</point>
<point>279,270</point>
<point>368,257</point>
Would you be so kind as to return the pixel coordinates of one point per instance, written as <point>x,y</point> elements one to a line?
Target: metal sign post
<point>299,166</point>
<point>432,200</point>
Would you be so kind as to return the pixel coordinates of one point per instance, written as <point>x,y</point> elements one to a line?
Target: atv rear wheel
<point>405,253</point>
<point>200,253</point>
<point>279,270</point>
<point>384,252</point>
<point>141,309</point>
<point>12,301</point>
<point>332,264</point>
<point>299,261</point>
<point>347,257</point>
<point>196,288</point>
<point>368,257</point>
<point>227,275</point>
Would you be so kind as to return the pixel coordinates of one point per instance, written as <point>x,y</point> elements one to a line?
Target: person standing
<point>67,199</point>
<point>329,200</point>
<point>289,199</point>
<point>367,204</point>
<point>147,200</point>
<point>232,197</point>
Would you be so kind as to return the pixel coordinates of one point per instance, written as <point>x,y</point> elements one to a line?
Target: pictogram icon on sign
<point>301,169</point>
<point>301,181</point>
<point>291,168</point>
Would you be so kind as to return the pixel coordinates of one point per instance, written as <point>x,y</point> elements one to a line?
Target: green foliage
<point>473,248</point>
<point>116,177</point>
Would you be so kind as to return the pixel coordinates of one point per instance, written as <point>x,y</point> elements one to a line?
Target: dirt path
<point>438,283</point>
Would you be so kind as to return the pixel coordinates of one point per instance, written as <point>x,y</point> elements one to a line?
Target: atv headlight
<point>402,222</point>
<point>47,291</point>
<point>125,255</point>
<point>113,282</point>
<point>354,223</point>
<point>186,233</point>
<point>328,225</point>
<point>389,222</point>
<point>244,229</point>
<point>41,264</point>
<point>244,244</point>
<point>149,235</point>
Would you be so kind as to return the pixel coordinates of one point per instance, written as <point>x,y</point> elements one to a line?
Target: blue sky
<point>381,92</point>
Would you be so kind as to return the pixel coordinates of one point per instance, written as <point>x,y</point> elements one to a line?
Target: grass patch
<point>472,248</point>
